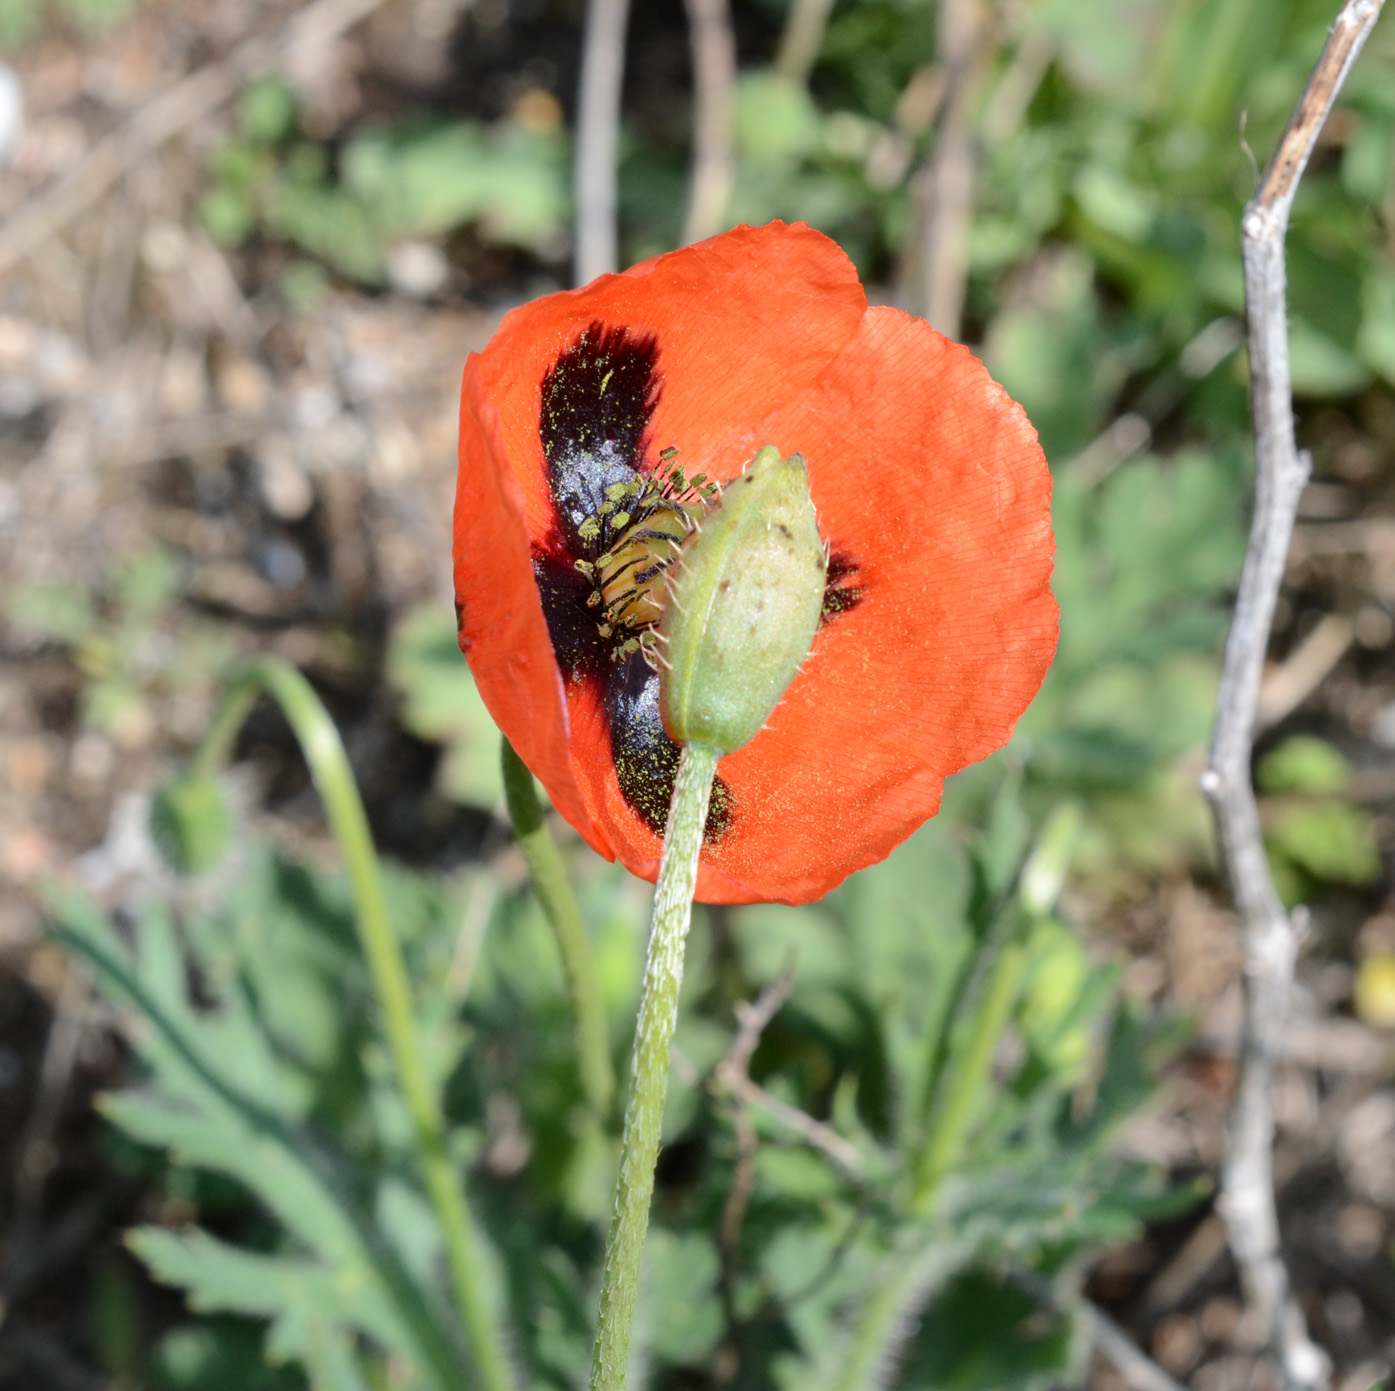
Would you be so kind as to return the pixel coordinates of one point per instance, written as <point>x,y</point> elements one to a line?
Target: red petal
<point>923,471</point>
<point>930,476</point>
<point>502,629</point>
<point>744,322</point>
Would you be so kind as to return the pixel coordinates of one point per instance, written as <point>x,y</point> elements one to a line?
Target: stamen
<point>644,522</point>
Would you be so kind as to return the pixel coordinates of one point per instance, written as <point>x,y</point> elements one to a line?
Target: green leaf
<point>1376,340</point>
<point>330,224</point>
<point>441,703</point>
<point>204,1115</point>
<point>62,612</point>
<point>1331,840</point>
<point>982,1334</point>
<point>145,587</point>
<point>1063,1000</point>
<point>1321,366</point>
<point>217,1354</point>
<point>1303,763</point>
<point>774,119</point>
<point>425,181</point>
<point>227,215</point>
<point>308,1306</point>
<point>191,823</point>
<point>682,1315</point>
<point>268,112</point>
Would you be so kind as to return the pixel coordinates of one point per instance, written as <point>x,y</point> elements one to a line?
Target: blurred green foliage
<point>132,641</point>
<point>23,20</point>
<point>440,704</point>
<point>1312,835</point>
<point>260,1061</point>
<point>422,179</point>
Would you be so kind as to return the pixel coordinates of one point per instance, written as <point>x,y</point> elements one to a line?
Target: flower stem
<point>950,1124</point>
<point>554,891</point>
<point>882,1321</point>
<point>329,766</point>
<point>658,1013</point>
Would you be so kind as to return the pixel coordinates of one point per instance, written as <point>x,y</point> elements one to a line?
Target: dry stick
<point>802,39</point>
<point>936,269</point>
<point>714,79</point>
<point>1270,936</point>
<point>598,138</point>
<point>1109,1340</point>
<point>815,1133</point>
<point>731,1071</point>
<point>164,117</point>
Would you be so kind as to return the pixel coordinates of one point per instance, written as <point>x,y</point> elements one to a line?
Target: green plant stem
<point>658,1014</point>
<point>559,905</point>
<point>879,1322</point>
<point>882,1318</point>
<point>949,1125</point>
<point>329,766</point>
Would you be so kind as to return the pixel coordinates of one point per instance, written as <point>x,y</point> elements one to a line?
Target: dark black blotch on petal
<point>646,759</point>
<point>580,649</point>
<point>597,400</point>
<point>842,590</point>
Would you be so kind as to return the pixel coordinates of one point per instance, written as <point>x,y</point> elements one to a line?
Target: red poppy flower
<point>931,490</point>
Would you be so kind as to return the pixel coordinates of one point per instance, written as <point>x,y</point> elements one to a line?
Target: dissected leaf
<point>441,703</point>
<point>1329,840</point>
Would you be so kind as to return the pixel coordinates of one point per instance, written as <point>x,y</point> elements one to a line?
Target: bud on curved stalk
<point>743,606</point>
<point>740,614</point>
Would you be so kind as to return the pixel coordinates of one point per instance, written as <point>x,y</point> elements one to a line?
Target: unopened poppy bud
<point>743,606</point>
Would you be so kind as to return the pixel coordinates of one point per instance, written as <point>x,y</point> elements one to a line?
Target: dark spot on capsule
<point>841,590</point>
<point>597,401</point>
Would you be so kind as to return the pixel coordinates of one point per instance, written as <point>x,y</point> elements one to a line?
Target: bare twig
<point>714,79</point>
<point>1287,686</point>
<point>732,1077</point>
<point>1271,937</point>
<point>731,1072</point>
<point>1132,1363</point>
<point>802,39</point>
<point>598,138</point>
<point>165,116</point>
<point>936,266</point>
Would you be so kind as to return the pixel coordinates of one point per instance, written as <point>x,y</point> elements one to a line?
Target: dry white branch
<point>1287,686</point>
<point>598,138</point>
<point>1271,936</point>
<point>165,116</point>
<point>714,81</point>
<point>802,39</point>
<point>1138,1370</point>
<point>935,271</point>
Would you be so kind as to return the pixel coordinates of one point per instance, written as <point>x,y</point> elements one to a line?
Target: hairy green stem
<point>949,1126</point>
<point>882,1319</point>
<point>559,905</point>
<point>329,766</point>
<point>658,1014</point>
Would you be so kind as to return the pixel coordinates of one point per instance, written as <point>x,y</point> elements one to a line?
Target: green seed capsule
<point>743,606</point>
